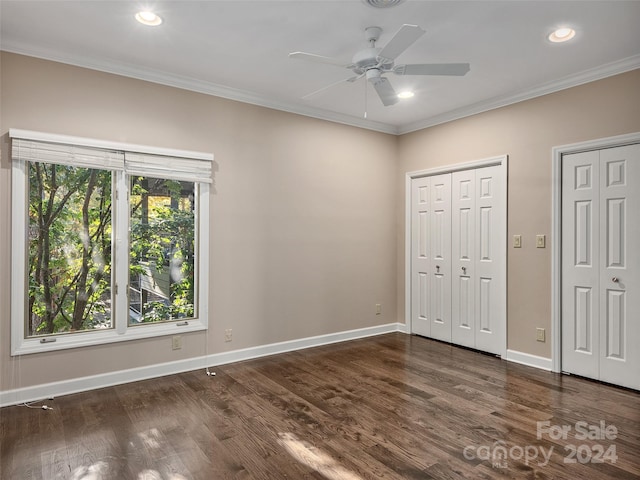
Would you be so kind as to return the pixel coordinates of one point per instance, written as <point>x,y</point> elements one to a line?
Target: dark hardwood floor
<point>393,407</point>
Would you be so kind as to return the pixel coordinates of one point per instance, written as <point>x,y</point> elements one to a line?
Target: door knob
<point>615,280</point>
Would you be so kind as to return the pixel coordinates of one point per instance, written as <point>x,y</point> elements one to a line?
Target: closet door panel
<point>420,256</point>
<point>619,279</point>
<point>441,257</point>
<point>489,278</point>
<point>580,260</point>
<point>463,213</point>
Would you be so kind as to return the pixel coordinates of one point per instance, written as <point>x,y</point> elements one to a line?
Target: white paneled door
<point>420,256</point>
<point>457,258</point>
<point>601,265</point>
<point>431,256</point>
<point>478,256</point>
<point>440,258</point>
<point>464,248</point>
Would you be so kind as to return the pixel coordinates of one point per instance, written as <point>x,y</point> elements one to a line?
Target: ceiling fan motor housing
<point>365,59</point>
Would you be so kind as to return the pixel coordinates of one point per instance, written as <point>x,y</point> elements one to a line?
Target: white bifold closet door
<point>431,256</point>
<point>477,275</point>
<point>601,265</point>
<point>457,258</point>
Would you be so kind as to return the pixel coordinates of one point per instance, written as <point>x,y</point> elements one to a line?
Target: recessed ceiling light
<point>146,17</point>
<point>405,94</point>
<point>562,35</point>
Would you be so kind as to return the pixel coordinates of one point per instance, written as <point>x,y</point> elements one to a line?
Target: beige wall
<point>307,218</point>
<point>303,238</point>
<point>526,132</point>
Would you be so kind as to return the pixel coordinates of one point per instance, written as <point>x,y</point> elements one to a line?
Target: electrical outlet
<point>540,334</point>
<point>176,342</point>
<point>517,241</point>
<point>378,308</point>
<point>540,241</point>
<point>228,335</point>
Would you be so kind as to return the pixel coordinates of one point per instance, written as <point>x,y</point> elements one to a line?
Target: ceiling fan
<point>373,62</point>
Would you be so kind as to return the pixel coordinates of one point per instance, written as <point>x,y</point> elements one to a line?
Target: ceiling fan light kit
<point>373,62</point>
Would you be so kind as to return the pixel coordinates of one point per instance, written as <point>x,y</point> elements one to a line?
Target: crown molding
<point>195,85</point>
<point>230,93</point>
<point>586,76</point>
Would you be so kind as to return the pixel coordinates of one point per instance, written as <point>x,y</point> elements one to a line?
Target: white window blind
<point>161,166</point>
<point>154,162</point>
<point>62,154</point>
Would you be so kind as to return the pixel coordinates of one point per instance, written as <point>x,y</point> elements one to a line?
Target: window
<point>109,241</point>
<point>161,250</point>
<point>69,255</point>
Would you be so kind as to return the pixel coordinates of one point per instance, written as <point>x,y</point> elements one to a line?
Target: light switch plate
<point>540,241</point>
<point>517,241</point>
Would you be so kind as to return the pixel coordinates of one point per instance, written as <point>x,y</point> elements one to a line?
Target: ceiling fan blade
<point>402,40</point>
<point>309,95</point>
<point>458,69</point>
<point>385,91</point>
<point>312,57</point>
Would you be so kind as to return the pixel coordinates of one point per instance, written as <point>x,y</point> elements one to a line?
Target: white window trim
<point>122,332</point>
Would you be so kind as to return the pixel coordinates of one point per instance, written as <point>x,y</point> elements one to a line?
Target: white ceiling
<point>239,49</point>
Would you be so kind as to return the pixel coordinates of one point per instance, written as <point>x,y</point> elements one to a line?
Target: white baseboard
<point>529,360</point>
<point>402,328</point>
<point>83,384</point>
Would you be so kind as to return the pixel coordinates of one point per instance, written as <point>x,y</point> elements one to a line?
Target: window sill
<point>88,339</point>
